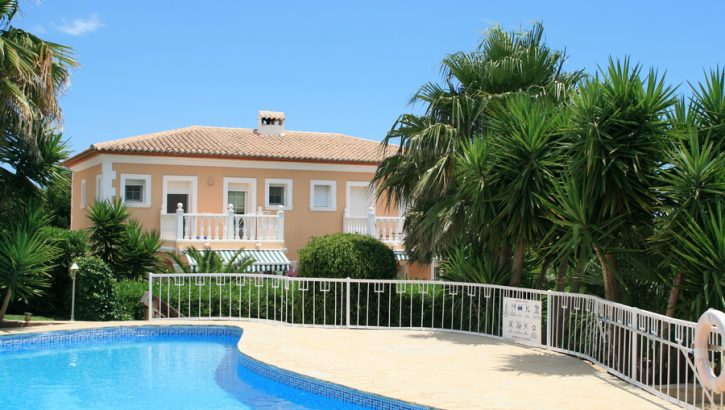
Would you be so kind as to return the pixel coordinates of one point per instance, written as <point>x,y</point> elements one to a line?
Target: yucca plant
<point>108,230</point>
<point>700,258</point>
<point>618,132</point>
<point>526,161</point>
<point>26,257</point>
<point>463,264</point>
<point>139,251</point>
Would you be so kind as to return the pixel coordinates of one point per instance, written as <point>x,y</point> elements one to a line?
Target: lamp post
<point>73,269</point>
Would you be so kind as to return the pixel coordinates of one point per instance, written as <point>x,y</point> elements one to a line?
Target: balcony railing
<point>388,229</point>
<point>222,227</point>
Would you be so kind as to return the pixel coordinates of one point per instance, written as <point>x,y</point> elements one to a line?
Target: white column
<point>107,177</point>
<point>371,221</point>
<point>179,221</point>
<point>229,234</point>
<point>280,223</point>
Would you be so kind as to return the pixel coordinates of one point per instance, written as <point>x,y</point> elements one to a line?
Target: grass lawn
<point>35,318</point>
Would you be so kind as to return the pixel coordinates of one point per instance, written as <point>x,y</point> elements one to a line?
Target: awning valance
<point>400,255</point>
<point>265,260</point>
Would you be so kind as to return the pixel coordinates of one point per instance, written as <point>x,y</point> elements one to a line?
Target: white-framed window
<point>84,192</point>
<point>136,190</point>
<point>98,187</point>
<point>241,193</point>
<point>323,195</point>
<point>278,192</point>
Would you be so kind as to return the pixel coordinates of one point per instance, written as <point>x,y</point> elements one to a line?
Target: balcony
<point>388,229</point>
<point>240,230</point>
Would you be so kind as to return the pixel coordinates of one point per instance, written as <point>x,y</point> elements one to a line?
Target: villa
<point>267,190</point>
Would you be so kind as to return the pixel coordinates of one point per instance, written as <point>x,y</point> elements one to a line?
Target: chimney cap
<point>274,115</point>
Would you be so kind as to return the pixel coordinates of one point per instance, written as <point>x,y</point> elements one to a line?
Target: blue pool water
<point>134,368</point>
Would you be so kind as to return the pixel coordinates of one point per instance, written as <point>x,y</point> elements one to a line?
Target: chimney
<point>270,123</point>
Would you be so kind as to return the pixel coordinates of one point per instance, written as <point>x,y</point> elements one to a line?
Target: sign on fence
<point>522,320</point>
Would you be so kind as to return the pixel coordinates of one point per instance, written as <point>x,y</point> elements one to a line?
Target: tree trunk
<point>611,287</point>
<point>6,302</point>
<point>561,274</point>
<point>576,279</point>
<point>517,266</point>
<point>674,295</point>
<point>542,275</point>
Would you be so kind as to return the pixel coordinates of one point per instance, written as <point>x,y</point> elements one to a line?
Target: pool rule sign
<point>522,320</point>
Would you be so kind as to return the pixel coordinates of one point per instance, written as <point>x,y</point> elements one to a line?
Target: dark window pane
<point>134,193</point>
<point>276,195</point>
<point>238,199</point>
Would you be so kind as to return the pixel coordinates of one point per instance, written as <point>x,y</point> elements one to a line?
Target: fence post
<point>371,221</point>
<point>179,221</point>
<point>150,303</point>
<point>230,223</point>
<point>634,329</point>
<point>347,302</point>
<point>549,296</point>
<point>280,223</point>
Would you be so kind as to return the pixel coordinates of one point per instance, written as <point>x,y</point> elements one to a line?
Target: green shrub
<point>343,255</point>
<point>71,245</point>
<point>96,297</point>
<point>129,294</point>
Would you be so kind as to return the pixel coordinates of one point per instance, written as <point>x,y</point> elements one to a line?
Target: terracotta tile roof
<point>245,143</point>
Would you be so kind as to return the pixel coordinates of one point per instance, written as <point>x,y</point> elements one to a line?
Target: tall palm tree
<point>32,74</point>
<point>458,113</point>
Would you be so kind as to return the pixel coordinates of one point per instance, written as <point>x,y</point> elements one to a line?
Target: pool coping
<point>287,377</point>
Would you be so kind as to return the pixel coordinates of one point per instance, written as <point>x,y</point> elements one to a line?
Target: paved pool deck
<point>437,369</point>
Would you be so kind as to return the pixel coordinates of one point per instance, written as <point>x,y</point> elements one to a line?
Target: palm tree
<point>211,262</point>
<point>26,257</point>
<point>32,74</point>
<point>459,112</point>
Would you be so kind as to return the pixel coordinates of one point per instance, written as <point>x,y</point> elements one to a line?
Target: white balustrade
<point>388,229</point>
<point>227,226</point>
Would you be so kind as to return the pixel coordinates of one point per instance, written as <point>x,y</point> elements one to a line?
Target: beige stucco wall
<point>301,223</point>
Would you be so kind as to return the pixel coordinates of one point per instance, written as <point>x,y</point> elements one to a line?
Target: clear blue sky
<point>338,66</point>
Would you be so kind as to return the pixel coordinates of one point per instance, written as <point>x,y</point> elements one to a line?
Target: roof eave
<point>93,151</point>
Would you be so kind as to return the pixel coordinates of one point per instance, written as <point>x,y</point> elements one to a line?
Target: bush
<point>96,297</point>
<point>343,255</point>
<point>71,244</point>
<point>129,294</point>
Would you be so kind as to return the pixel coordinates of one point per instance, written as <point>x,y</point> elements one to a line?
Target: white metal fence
<point>648,350</point>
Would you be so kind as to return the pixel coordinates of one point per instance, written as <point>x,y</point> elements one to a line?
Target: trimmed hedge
<point>343,255</point>
<point>129,293</point>
<point>95,290</point>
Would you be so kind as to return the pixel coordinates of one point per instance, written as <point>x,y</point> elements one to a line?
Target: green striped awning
<point>400,255</point>
<point>265,260</point>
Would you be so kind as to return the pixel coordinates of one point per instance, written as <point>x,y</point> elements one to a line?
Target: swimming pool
<point>175,367</point>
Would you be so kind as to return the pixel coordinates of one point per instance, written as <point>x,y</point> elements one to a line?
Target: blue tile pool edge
<point>306,383</point>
